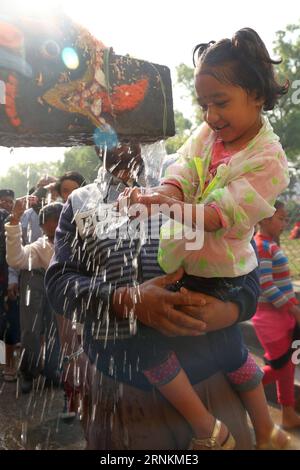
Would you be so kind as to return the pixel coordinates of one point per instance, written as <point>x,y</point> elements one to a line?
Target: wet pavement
<point>32,421</point>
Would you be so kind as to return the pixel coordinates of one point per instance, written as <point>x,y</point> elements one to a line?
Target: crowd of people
<point>107,312</point>
<point>28,326</point>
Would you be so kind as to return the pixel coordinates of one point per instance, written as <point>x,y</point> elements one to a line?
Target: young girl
<point>278,314</point>
<point>235,166</point>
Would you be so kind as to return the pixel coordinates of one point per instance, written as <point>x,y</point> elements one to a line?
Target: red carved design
<point>10,105</point>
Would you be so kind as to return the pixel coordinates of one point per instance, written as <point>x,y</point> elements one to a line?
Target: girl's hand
<point>128,197</point>
<point>145,200</point>
<point>148,199</point>
<point>215,313</point>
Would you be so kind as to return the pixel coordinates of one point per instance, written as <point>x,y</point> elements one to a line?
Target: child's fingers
<point>169,279</point>
<point>179,298</point>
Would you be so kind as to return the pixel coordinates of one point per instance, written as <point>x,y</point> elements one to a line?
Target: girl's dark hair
<point>73,176</point>
<point>50,211</point>
<point>250,65</point>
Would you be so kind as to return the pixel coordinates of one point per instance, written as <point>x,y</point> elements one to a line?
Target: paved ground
<point>32,422</point>
<point>274,408</point>
<point>295,435</point>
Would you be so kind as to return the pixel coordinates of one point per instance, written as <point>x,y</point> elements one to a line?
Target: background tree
<point>24,176</point>
<point>183,127</point>
<point>286,116</point>
<point>81,159</point>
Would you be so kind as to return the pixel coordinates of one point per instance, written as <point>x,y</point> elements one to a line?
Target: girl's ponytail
<point>242,61</point>
<point>200,49</point>
<point>247,43</point>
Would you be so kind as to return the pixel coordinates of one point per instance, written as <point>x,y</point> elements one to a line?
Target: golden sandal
<point>273,443</point>
<point>212,443</point>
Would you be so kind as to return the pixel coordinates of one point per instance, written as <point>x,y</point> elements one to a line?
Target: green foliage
<point>286,117</point>
<point>291,248</point>
<point>174,143</point>
<point>81,159</point>
<point>293,211</point>
<point>22,177</point>
<point>185,79</point>
<point>182,123</point>
<point>183,126</point>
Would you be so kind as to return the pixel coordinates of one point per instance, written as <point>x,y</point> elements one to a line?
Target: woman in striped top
<point>278,314</point>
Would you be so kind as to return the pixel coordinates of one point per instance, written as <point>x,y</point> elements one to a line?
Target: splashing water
<point>29,232</point>
<point>74,321</point>
<point>105,137</point>
<point>111,366</point>
<point>132,323</point>
<point>93,412</point>
<point>153,156</point>
<point>24,433</point>
<point>27,297</point>
<point>27,184</point>
<point>48,199</point>
<point>30,261</point>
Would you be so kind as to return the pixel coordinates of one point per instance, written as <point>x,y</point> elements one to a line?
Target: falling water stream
<point>32,421</point>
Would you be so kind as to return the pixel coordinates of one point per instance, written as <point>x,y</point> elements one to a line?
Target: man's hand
<point>158,308</point>
<point>215,313</point>
<point>13,291</point>
<point>21,204</point>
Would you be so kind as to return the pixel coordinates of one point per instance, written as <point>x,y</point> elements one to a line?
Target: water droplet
<point>29,261</point>
<point>132,323</point>
<point>27,298</point>
<point>94,412</point>
<point>74,321</point>
<point>111,366</point>
<point>24,433</point>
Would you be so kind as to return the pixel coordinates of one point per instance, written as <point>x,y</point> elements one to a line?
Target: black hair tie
<point>200,49</point>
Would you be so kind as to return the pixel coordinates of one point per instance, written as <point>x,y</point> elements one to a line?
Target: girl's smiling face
<point>229,110</point>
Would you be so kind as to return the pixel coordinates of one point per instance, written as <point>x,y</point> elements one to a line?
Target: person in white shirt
<point>39,253</point>
<point>36,255</point>
<point>31,315</point>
